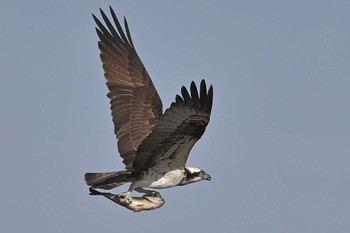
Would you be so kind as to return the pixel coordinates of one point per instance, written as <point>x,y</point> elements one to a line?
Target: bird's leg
<point>125,197</point>
<point>147,192</point>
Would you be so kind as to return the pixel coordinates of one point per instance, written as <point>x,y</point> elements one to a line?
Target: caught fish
<point>146,202</point>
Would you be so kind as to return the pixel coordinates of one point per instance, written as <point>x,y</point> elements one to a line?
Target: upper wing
<point>178,129</point>
<point>135,103</point>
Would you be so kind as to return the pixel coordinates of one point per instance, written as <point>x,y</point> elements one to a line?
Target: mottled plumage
<point>154,145</point>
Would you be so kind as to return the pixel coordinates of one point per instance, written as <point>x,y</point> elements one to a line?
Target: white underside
<point>156,181</point>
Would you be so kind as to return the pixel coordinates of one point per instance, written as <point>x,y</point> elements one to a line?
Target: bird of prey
<point>154,145</point>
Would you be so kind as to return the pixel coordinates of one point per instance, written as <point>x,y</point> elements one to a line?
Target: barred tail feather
<point>108,180</point>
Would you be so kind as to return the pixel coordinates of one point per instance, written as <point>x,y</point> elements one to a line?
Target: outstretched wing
<point>135,103</point>
<point>178,129</point>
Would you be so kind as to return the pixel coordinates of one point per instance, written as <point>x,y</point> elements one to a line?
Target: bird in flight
<point>153,144</point>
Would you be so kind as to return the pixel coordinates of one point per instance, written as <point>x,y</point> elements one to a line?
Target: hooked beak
<point>207,177</point>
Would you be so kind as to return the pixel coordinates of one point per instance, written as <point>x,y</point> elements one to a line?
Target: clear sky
<point>277,147</point>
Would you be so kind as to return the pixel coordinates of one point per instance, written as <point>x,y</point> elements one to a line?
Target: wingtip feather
<point>185,95</point>
<point>194,93</point>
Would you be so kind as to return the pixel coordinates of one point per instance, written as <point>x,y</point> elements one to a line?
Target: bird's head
<point>193,174</point>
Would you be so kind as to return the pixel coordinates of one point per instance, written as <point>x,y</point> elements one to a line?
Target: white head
<point>193,174</point>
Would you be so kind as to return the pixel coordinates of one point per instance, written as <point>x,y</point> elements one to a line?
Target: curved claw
<point>125,197</point>
<point>153,193</point>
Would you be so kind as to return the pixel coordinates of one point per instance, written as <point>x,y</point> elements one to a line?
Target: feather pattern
<point>135,103</point>
<point>154,146</point>
<point>178,129</point>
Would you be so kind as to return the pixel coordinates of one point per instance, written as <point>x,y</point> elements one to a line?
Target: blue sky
<point>277,147</point>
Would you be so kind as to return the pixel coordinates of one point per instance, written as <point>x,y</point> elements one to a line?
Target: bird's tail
<point>108,180</point>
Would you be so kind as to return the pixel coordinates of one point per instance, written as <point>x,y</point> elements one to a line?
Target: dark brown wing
<point>178,129</point>
<point>135,103</point>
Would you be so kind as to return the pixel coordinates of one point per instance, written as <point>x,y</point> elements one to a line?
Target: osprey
<point>154,145</point>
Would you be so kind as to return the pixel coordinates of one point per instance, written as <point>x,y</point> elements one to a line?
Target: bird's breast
<point>169,179</point>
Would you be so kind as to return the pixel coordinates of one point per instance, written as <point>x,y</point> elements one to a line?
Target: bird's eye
<point>201,173</point>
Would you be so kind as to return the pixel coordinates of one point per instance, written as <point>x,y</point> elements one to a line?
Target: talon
<point>153,193</point>
<point>125,197</point>
<point>128,201</point>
